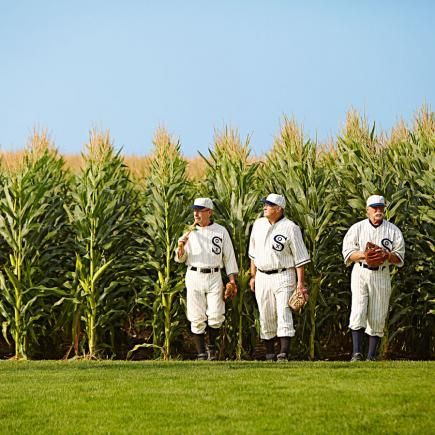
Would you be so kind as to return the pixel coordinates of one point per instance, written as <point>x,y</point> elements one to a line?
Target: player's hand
<point>252,284</point>
<point>180,250</point>
<point>304,290</point>
<point>183,240</point>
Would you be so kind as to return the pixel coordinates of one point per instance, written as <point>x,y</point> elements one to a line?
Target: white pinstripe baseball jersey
<point>278,245</point>
<point>371,289</point>
<point>386,235</point>
<point>210,246</point>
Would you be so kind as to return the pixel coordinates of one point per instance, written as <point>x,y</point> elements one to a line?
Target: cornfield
<point>87,243</point>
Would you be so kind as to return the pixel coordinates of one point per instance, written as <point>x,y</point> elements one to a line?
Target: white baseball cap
<point>274,199</point>
<point>375,201</point>
<point>201,203</point>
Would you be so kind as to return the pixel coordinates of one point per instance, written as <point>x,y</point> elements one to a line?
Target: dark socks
<point>357,339</point>
<point>285,343</point>
<point>373,346</point>
<point>213,334</point>
<point>270,345</point>
<point>199,341</point>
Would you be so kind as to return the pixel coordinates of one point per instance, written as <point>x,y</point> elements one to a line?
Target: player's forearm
<point>232,277</point>
<point>300,273</point>
<point>253,269</point>
<point>356,256</point>
<point>393,258</point>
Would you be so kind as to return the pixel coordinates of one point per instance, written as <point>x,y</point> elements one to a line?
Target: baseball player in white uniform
<point>371,286</point>
<point>206,249</point>
<point>278,255</point>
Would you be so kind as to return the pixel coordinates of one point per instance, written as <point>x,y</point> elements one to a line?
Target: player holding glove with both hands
<point>372,245</point>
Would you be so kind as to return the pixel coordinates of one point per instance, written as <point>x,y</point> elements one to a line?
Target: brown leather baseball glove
<point>375,255</point>
<point>298,299</point>
<point>230,291</point>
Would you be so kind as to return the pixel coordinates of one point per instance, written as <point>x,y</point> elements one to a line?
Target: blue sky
<point>196,66</point>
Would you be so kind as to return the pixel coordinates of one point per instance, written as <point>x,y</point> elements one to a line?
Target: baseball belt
<point>204,270</point>
<point>366,266</point>
<point>270,272</point>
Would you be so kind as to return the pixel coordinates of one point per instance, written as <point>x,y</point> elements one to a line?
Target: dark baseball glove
<point>375,255</point>
<point>298,299</point>
<point>230,291</point>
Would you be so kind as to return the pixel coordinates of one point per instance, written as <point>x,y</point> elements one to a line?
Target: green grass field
<point>223,397</point>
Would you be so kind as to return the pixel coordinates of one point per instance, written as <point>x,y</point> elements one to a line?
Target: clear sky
<point>196,66</point>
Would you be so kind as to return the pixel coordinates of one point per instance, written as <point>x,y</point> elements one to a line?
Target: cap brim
<point>197,207</point>
<point>265,201</point>
<point>378,204</point>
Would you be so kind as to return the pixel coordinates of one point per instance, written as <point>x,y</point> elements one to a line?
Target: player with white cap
<point>371,286</point>
<point>206,248</point>
<point>278,256</point>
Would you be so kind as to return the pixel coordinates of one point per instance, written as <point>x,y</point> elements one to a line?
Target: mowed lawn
<point>222,397</point>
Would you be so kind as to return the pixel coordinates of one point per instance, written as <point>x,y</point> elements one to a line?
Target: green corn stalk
<point>402,170</point>
<point>165,212</point>
<point>411,153</point>
<point>233,183</point>
<point>304,178</point>
<point>104,215</point>
<point>35,237</point>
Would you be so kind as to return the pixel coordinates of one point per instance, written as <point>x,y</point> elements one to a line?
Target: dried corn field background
<point>87,241</point>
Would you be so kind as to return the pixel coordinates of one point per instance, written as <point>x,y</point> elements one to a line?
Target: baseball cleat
<point>270,357</point>
<point>356,357</point>
<point>201,357</point>
<point>282,357</point>
<point>212,353</point>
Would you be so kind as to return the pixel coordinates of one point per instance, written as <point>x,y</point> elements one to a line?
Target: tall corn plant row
<point>412,154</point>
<point>104,215</point>
<point>295,169</point>
<point>33,226</point>
<point>165,212</point>
<point>364,168</point>
<point>400,169</point>
<point>233,183</point>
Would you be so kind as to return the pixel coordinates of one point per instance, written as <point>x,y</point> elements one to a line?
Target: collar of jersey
<point>282,217</point>
<point>211,223</point>
<point>376,226</point>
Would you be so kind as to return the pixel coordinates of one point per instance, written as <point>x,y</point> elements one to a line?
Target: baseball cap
<point>274,199</point>
<point>201,203</point>
<point>375,201</point>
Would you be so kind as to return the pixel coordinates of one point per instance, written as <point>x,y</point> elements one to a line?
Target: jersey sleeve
<point>229,257</point>
<point>399,247</point>
<point>350,244</point>
<point>298,248</point>
<point>251,249</point>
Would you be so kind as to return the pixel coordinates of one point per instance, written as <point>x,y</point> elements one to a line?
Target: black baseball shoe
<point>201,357</point>
<point>212,353</point>
<point>270,357</point>
<point>371,358</point>
<point>282,357</point>
<point>356,357</point>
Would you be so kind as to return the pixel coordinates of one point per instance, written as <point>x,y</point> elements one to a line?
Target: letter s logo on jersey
<point>387,244</point>
<point>217,245</point>
<point>279,240</point>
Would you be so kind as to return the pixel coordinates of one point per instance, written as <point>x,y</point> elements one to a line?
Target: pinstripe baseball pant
<point>272,293</point>
<point>205,304</point>
<point>371,291</point>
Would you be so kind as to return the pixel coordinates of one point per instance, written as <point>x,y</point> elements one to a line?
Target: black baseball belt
<point>204,270</point>
<point>366,266</point>
<point>270,272</point>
